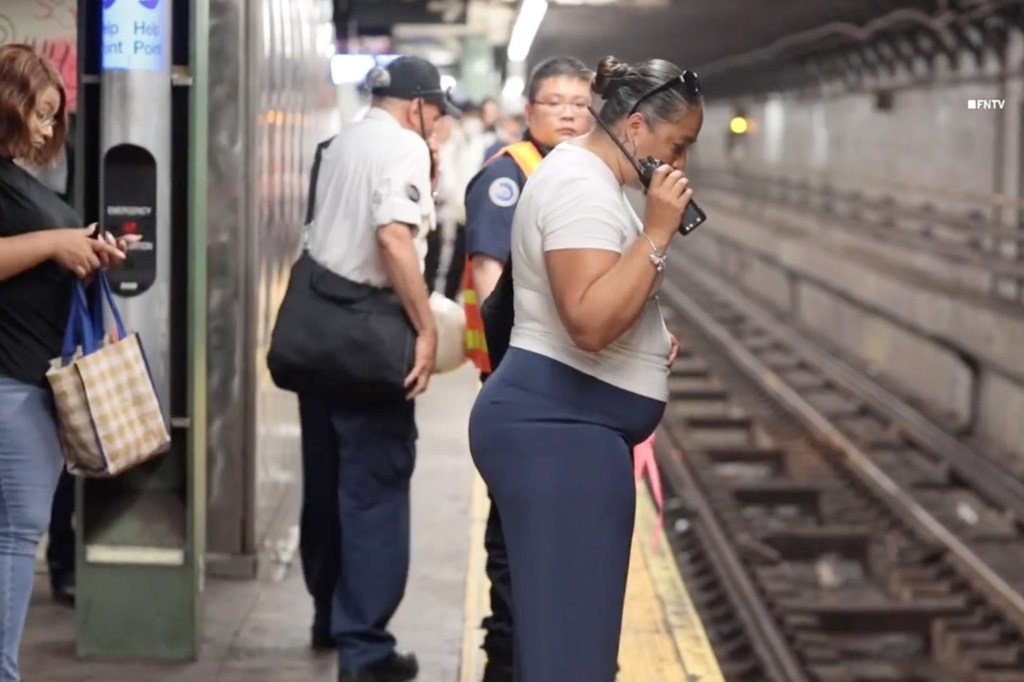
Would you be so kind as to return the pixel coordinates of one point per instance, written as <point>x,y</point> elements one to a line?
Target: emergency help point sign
<point>133,35</point>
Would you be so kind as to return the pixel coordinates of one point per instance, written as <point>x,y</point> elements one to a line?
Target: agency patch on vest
<point>503,192</point>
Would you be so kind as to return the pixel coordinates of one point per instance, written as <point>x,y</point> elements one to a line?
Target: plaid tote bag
<point>108,414</point>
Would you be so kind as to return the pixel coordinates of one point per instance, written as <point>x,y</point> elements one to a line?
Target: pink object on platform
<point>643,461</point>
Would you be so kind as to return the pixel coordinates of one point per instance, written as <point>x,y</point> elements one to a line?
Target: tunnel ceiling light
<point>531,14</point>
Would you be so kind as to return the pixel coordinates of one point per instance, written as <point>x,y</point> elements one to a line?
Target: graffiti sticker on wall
<point>50,26</point>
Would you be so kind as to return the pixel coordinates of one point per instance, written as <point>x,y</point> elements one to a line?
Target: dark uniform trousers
<point>60,550</point>
<point>357,465</point>
<point>453,273</point>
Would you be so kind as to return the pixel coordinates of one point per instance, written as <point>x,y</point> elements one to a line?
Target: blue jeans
<point>30,464</point>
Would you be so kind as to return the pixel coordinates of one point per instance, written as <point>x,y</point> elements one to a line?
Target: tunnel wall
<point>905,277</point>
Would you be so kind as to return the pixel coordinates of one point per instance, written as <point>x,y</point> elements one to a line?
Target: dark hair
<point>645,87</point>
<point>555,68</point>
<point>24,75</point>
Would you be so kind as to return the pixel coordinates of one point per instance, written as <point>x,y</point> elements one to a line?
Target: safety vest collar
<point>525,154</point>
<point>527,158</point>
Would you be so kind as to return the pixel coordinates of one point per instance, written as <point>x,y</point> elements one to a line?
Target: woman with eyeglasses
<point>586,375</point>
<point>42,249</point>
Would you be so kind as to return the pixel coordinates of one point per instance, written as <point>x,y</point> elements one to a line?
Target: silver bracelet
<point>657,259</point>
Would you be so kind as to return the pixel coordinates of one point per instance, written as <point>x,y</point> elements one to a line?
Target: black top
<point>34,305</point>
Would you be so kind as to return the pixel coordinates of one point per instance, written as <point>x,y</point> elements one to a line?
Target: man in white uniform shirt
<point>374,207</point>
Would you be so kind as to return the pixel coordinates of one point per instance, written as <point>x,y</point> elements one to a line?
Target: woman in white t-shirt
<point>586,375</point>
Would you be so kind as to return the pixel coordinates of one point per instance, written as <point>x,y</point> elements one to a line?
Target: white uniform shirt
<point>373,173</point>
<point>574,201</point>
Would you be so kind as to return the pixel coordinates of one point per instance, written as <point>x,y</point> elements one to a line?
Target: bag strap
<point>79,328</point>
<point>314,175</point>
<point>102,293</point>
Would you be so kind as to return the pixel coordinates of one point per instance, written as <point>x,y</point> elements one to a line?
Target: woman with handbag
<point>585,377</point>
<point>41,254</point>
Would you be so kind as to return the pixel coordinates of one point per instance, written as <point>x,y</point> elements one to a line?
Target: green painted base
<point>138,612</point>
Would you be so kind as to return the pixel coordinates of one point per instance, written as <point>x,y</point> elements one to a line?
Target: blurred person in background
<point>490,114</point>
<point>509,129</point>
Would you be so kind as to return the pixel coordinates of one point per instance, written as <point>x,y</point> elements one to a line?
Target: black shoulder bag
<point>335,338</point>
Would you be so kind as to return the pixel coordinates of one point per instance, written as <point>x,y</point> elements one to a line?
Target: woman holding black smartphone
<point>42,249</point>
<point>586,375</point>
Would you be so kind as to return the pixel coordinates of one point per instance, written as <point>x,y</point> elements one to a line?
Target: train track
<point>829,531</point>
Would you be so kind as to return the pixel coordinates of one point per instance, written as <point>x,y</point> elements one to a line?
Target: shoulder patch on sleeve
<point>503,192</point>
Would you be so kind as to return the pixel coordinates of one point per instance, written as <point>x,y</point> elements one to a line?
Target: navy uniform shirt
<point>491,199</point>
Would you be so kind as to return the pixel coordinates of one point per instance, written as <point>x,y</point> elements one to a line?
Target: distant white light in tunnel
<point>448,82</point>
<point>531,14</point>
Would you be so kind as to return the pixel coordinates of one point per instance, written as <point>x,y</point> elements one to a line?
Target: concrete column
<point>477,74</point>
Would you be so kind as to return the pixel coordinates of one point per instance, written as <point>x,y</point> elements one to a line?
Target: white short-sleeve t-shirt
<point>573,201</point>
<point>373,173</point>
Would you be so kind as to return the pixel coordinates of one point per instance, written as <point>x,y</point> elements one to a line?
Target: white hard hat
<point>450,319</point>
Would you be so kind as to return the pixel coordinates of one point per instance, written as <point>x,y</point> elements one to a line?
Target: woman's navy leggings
<point>554,446</point>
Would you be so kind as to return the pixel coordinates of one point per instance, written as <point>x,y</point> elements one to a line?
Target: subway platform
<point>258,631</point>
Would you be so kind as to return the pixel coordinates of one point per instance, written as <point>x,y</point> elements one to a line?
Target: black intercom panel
<point>129,207</point>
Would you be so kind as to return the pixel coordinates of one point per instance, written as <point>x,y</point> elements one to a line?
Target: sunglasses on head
<point>687,81</point>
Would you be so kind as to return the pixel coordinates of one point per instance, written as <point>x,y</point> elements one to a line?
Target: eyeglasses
<point>690,86</point>
<point>45,120</point>
<point>558,104</point>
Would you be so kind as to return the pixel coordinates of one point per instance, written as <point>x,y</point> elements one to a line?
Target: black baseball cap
<point>415,78</point>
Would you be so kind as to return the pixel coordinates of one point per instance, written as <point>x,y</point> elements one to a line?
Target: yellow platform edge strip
<point>654,580</point>
<point>477,585</point>
<point>684,623</point>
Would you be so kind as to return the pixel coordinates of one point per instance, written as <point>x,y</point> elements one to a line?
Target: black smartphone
<point>693,215</point>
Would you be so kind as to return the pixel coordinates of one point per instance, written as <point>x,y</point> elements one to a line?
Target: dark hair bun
<point>609,76</point>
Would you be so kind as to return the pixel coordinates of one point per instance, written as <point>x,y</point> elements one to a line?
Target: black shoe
<point>62,587</point>
<point>321,639</point>
<point>498,671</point>
<point>397,668</point>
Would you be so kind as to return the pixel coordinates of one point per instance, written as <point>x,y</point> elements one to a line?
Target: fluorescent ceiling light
<point>531,14</point>
<point>352,68</point>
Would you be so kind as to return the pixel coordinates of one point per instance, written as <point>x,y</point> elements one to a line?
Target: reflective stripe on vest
<point>527,157</point>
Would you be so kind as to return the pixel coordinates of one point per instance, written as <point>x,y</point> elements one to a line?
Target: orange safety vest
<point>527,157</point>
